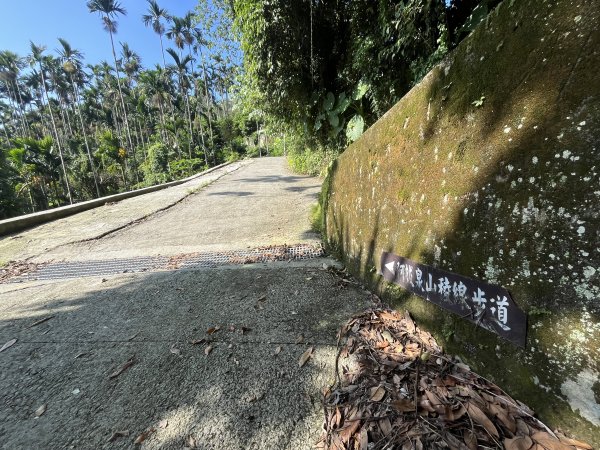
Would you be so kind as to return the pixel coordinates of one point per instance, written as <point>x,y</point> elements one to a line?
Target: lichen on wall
<point>490,168</point>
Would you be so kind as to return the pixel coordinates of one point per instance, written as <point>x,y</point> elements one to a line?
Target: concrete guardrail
<point>19,223</point>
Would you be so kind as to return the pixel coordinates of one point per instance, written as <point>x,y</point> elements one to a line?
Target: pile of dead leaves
<point>18,268</point>
<point>398,390</point>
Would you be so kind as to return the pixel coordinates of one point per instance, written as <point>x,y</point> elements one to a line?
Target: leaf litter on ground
<point>41,410</point>
<point>38,322</point>
<point>8,344</point>
<point>130,362</point>
<point>305,357</point>
<point>396,388</point>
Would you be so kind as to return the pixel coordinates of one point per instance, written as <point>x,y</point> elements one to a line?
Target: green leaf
<point>334,119</point>
<point>355,128</point>
<point>343,103</point>
<point>329,101</point>
<point>360,90</point>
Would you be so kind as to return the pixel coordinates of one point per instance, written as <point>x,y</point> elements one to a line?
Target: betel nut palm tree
<point>108,11</point>
<point>71,59</point>
<point>37,57</point>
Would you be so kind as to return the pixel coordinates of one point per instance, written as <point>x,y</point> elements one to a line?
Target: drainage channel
<point>78,269</point>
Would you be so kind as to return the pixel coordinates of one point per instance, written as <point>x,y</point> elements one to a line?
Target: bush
<point>182,168</point>
<point>311,162</point>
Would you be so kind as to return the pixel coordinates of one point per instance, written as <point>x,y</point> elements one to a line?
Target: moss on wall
<point>490,168</point>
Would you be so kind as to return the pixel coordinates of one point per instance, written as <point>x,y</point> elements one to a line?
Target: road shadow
<point>247,392</point>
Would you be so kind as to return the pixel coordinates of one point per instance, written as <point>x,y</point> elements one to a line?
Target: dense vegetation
<point>330,69</point>
<point>314,75</point>
<point>71,131</point>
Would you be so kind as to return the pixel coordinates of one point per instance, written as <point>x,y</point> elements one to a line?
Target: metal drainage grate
<point>78,269</point>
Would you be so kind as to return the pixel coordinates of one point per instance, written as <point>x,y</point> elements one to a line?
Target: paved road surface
<point>246,393</point>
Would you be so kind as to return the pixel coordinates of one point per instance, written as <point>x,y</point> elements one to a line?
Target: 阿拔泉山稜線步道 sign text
<point>487,305</point>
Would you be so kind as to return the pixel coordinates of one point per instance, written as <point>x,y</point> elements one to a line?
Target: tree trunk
<point>87,145</point>
<point>123,105</point>
<point>60,151</point>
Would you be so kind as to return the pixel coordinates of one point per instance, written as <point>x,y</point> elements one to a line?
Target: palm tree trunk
<point>15,110</point>
<point>5,131</point>
<point>189,116</point>
<point>60,151</point>
<point>162,121</point>
<point>162,50</point>
<point>22,107</point>
<point>208,99</point>
<point>85,139</point>
<point>139,124</point>
<point>203,144</point>
<point>123,104</point>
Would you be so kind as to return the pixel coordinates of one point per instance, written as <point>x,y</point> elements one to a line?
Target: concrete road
<point>255,203</point>
<point>240,387</point>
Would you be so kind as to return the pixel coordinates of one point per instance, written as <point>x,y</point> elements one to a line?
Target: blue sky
<point>43,21</point>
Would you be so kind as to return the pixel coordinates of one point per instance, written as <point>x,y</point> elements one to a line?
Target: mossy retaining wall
<point>490,168</point>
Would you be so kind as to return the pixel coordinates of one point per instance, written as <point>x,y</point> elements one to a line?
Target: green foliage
<point>8,198</point>
<point>109,146</point>
<point>316,218</point>
<point>355,128</point>
<point>182,168</point>
<point>309,161</point>
<point>333,68</point>
<point>156,166</point>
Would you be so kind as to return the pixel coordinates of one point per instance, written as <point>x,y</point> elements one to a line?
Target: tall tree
<point>10,68</point>
<point>155,18</point>
<point>181,68</point>
<point>108,11</point>
<point>36,57</point>
<point>71,59</point>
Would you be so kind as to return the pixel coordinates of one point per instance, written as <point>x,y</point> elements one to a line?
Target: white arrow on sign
<point>391,266</point>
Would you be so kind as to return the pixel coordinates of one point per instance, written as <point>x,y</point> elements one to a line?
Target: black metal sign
<point>488,306</point>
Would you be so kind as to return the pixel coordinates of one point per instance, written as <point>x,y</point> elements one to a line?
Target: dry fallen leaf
<point>364,439</point>
<point>300,339</point>
<point>518,443</point>
<point>479,416</point>
<point>198,341</point>
<point>385,426</point>
<point>457,408</point>
<point>45,319</point>
<point>123,368</point>
<point>8,344</point>
<point>470,440</point>
<point>142,437</point>
<point>207,350</point>
<point>576,443</point>
<point>262,298</point>
<point>190,442</point>
<point>213,330</point>
<point>305,357</point>
<point>403,405</point>
<point>549,442</point>
<point>41,410</point>
<point>118,434</point>
<point>277,350</point>
<point>377,393</point>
